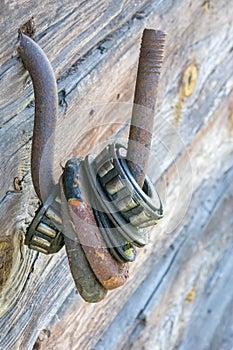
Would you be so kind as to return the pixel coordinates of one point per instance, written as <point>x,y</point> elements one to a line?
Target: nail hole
<point>17,184</point>
<point>189,80</point>
<point>206,5</point>
<point>62,98</point>
<point>91,113</point>
<point>188,83</point>
<point>191,295</point>
<point>29,28</point>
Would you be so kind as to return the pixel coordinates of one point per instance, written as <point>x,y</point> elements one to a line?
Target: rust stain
<point>231,118</point>
<point>231,124</point>
<point>188,83</point>
<point>77,203</point>
<point>3,246</point>
<point>206,5</point>
<point>17,184</point>
<point>100,255</point>
<point>111,281</point>
<point>77,182</point>
<point>103,265</point>
<point>191,295</point>
<point>178,110</point>
<point>189,80</point>
<point>6,258</point>
<point>29,28</point>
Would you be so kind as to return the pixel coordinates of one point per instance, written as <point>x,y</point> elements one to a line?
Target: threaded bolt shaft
<point>141,129</point>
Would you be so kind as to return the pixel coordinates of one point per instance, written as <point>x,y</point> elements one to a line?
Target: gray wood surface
<point>188,295</point>
<point>175,295</point>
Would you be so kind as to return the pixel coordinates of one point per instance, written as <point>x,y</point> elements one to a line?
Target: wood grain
<point>93,47</point>
<point>178,305</point>
<point>161,252</point>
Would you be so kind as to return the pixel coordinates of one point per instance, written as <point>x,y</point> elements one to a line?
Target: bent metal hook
<point>46,109</point>
<point>100,238</point>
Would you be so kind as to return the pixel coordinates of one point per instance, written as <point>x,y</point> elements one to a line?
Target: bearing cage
<point>45,232</point>
<point>123,210</point>
<point>113,186</point>
<point>119,185</point>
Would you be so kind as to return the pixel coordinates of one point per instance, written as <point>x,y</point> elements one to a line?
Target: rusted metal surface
<point>88,242</point>
<point>46,105</point>
<point>88,286</point>
<point>108,271</point>
<point>29,28</point>
<point>141,130</point>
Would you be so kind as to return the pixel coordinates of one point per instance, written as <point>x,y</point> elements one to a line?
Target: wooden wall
<point>180,293</point>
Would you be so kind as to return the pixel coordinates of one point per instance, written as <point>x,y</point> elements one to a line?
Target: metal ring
<point>128,231</point>
<point>130,208</point>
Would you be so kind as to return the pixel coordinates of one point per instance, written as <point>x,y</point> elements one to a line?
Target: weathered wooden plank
<point>188,125</point>
<point>179,305</point>
<point>197,310</point>
<point>74,334</point>
<point>102,88</point>
<point>223,336</point>
<point>106,73</point>
<point>66,31</point>
<point>112,55</point>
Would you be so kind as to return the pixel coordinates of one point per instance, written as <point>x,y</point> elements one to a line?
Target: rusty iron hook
<point>46,110</point>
